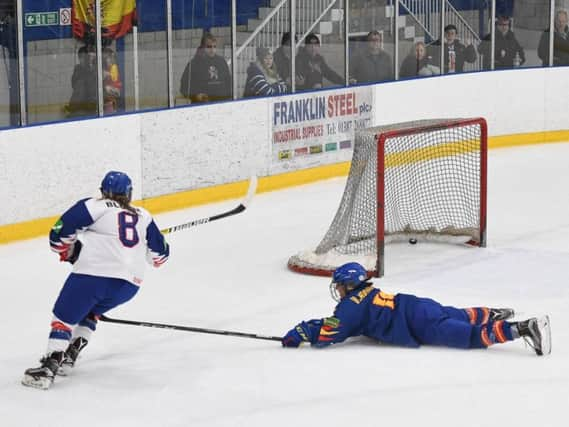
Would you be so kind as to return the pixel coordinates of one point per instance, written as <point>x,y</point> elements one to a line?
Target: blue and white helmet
<point>116,184</point>
<point>352,275</point>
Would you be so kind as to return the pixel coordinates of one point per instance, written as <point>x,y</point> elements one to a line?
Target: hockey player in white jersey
<point>108,241</point>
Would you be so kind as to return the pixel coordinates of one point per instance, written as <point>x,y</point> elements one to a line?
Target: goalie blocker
<point>412,181</point>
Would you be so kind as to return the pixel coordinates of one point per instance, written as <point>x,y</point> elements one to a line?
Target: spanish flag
<point>118,17</point>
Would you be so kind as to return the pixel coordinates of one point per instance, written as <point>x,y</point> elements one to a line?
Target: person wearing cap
<point>508,53</point>
<point>456,54</point>
<point>262,76</point>
<point>312,66</point>
<point>282,58</point>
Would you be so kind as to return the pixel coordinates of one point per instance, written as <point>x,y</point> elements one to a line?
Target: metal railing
<point>427,14</point>
<point>268,33</point>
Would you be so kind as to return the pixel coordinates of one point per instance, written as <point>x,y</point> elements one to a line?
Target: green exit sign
<point>41,19</point>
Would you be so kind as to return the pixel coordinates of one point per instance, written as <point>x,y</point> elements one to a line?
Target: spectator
<point>312,66</point>
<point>508,53</point>
<point>560,42</point>
<point>83,101</point>
<point>112,84</point>
<point>209,76</point>
<point>9,53</point>
<point>262,76</point>
<point>455,53</point>
<point>372,64</point>
<point>418,63</point>
<point>282,58</point>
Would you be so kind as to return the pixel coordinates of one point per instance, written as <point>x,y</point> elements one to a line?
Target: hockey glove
<point>303,332</point>
<point>71,252</point>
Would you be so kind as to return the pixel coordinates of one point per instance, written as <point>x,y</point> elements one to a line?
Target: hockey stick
<point>189,329</point>
<point>238,209</point>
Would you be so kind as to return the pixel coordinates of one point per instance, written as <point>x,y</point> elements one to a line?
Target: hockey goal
<point>422,180</point>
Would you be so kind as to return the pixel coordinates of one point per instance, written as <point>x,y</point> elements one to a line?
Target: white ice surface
<point>232,274</point>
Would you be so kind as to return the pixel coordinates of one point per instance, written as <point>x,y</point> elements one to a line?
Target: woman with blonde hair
<point>262,76</point>
<point>418,63</point>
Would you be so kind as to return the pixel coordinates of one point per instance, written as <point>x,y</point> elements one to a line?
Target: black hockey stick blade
<point>189,329</point>
<point>238,209</point>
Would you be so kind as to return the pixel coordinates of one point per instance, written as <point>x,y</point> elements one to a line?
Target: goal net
<point>422,180</point>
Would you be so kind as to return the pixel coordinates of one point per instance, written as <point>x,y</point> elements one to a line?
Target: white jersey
<point>116,242</point>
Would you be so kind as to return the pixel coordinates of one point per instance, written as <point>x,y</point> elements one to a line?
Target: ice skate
<point>537,333</point>
<point>43,376</point>
<point>501,314</point>
<point>71,355</point>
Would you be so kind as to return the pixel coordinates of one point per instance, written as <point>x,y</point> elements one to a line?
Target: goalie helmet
<point>352,275</point>
<point>116,184</point>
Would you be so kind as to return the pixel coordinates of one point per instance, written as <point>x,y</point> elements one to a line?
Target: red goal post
<point>423,180</point>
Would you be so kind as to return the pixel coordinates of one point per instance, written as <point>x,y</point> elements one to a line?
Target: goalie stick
<point>189,329</point>
<point>238,209</point>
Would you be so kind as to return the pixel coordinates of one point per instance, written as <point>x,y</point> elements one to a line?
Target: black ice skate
<point>71,355</point>
<point>501,314</point>
<point>43,376</point>
<point>537,333</point>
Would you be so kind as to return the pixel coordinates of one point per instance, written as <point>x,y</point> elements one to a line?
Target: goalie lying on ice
<point>411,321</point>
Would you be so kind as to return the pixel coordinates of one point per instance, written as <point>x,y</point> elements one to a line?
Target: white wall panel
<point>45,168</point>
<point>199,147</point>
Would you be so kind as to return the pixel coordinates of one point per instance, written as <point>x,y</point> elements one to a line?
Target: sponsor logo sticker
<point>315,149</point>
<point>331,146</point>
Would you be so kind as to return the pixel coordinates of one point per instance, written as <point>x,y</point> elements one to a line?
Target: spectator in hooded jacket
<point>209,75</point>
<point>372,64</point>
<point>418,63</point>
<point>508,53</point>
<point>262,76</point>
<point>312,66</point>
<point>455,53</point>
<point>560,42</point>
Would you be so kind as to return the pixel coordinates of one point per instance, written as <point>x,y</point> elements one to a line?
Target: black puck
<point>413,241</point>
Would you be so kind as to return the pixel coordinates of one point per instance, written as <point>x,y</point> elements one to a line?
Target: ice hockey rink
<point>231,274</point>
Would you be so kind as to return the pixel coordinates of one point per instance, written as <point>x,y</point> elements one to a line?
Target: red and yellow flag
<point>118,17</point>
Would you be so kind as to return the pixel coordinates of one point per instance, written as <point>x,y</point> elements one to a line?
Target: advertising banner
<point>317,128</point>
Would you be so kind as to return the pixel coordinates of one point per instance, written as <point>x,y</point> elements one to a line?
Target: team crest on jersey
<point>58,226</point>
